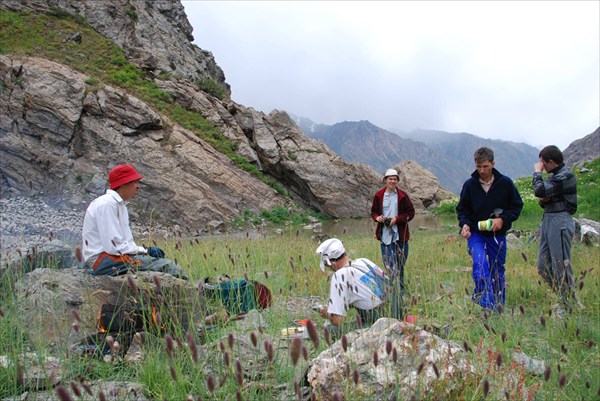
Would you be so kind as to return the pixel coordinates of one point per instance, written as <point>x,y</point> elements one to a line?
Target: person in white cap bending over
<point>108,245</point>
<point>392,209</point>
<point>355,283</point>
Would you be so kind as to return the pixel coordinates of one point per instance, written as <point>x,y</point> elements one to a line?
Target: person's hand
<point>156,252</point>
<point>323,312</point>
<point>380,219</point>
<point>538,167</point>
<point>466,231</point>
<point>497,224</point>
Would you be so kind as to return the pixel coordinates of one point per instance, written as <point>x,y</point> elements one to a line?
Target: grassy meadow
<point>438,277</point>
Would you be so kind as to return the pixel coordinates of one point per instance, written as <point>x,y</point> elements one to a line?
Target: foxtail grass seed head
<point>467,347</point>
<point>238,396</point>
<point>500,309</point>
<point>222,346</point>
<point>192,346</point>
<point>169,346</point>
<point>295,349</point>
<point>375,358</point>
<point>563,349</point>
<point>266,274</point>
<point>580,285</point>
<point>132,284</point>
<point>101,395</point>
<point>499,360</point>
<point>547,373</point>
<point>326,334</point>
<point>254,339</point>
<point>420,368</point>
<point>75,389</point>
<point>355,377</point>
<point>230,340</point>
<point>173,373</point>
<point>305,353</point>
<point>522,309</point>
<point>87,388</point>
<point>337,396</point>
<point>312,333</point>
<point>503,336</point>
<point>435,370</point>
<point>394,355</point>
<point>524,256</point>
<point>345,343</point>
<point>226,358</point>
<point>358,321</point>
<point>486,388</point>
<point>210,383</point>
<point>157,283</point>
<point>562,381</point>
<point>388,347</point>
<point>63,394</point>
<point>542,321</point>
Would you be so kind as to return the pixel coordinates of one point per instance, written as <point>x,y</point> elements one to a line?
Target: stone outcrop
<point>387,376</point>
<point>155,34</point>
<point>52,302</point>
<point>58,135</point>
<point>421,184</point>
<point>583,150</point>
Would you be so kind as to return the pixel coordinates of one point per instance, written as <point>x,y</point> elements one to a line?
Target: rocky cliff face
<point>156,34</point>
<point>583,150</point>
<point>62,130</point>
<point>57,136</point>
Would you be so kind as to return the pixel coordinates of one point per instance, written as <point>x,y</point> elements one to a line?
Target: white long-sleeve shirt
<point>106,228</point>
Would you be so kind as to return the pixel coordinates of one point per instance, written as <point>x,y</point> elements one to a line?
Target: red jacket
<point>406,212</point>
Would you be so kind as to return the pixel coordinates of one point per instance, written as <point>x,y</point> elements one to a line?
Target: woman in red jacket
<point>392,209</point>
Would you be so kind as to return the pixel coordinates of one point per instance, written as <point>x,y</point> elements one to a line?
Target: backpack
<point>239,296</point>
<point>391,294</point>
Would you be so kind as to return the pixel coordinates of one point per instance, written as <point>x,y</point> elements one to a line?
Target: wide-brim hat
<point>122,174</point>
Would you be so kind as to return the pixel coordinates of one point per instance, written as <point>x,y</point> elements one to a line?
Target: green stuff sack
<point>239,296</point>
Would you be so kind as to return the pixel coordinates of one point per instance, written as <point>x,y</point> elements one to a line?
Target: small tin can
<point>485,225</point>
<point>292,331</point>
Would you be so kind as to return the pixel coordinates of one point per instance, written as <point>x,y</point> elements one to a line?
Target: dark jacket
<point>476,205</point>
<point>559,192</point>
<point>406,212</point>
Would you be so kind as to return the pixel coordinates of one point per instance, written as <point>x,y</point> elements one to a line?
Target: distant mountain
<point>448,155</point>
<point>583,150</point>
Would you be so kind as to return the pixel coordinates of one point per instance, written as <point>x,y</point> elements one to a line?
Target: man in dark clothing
<point>558,196</point>
<point>488,195</point>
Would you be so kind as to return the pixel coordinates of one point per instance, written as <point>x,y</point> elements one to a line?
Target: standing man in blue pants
<point>488,195</point>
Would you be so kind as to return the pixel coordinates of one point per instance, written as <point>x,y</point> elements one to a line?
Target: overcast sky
<point>514,70</point>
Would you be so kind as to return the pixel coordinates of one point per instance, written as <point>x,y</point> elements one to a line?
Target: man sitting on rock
<point>108,245</point>
<point>357,283</point>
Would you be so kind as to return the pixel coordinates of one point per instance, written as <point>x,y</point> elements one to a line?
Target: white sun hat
<point>330,249</point>
<point>389,172</point>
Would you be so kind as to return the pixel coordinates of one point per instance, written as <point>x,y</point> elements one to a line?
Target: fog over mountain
<point>448,155</point>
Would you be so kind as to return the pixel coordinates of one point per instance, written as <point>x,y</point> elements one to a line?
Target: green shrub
<point>210,86</point>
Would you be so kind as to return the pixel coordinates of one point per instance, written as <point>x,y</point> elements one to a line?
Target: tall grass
<point>439,286</point>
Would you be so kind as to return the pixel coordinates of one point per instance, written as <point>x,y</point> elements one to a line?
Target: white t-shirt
<point>354,286</point>
<point>106,228</point>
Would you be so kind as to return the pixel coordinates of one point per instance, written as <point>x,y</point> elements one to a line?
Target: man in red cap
<point>108,245</point>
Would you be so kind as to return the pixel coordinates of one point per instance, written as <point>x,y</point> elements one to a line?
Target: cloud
<point>522,71</point>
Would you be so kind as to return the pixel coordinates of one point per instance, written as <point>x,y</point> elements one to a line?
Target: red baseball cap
<point>122,174</point>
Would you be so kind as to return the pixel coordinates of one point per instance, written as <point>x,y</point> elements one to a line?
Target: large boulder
<point>409,362</point>
<point>61,307</point>
<point>421,184</point>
